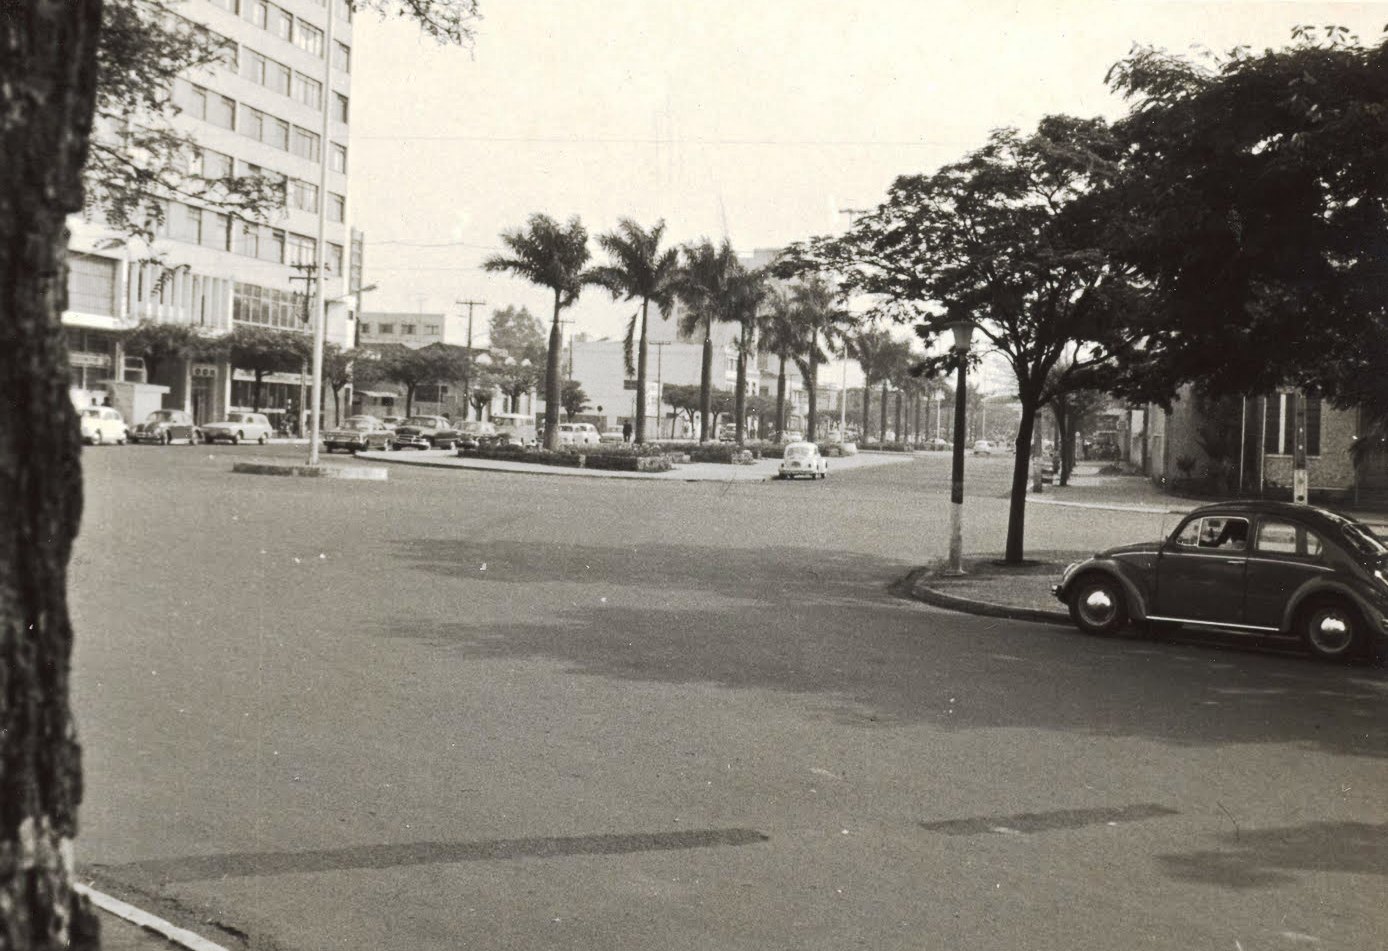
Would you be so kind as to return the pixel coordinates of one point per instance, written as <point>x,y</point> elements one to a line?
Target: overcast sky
<point>754,119</point>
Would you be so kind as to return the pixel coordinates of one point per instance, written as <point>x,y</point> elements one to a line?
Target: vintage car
<point>1261,568</point>
<point>613,435</point>
<point>103,424</point>
<point>359,434</point>
<point>426,432</point>
<point>803,459</point>
<point>473,432</point>
<point>579,434</point>
<point>165,426</point>
<point>513,429</point>
<point>238,428</point>
<point>984,447</point>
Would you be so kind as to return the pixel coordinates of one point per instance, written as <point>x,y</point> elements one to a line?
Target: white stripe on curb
<point>144,919</point>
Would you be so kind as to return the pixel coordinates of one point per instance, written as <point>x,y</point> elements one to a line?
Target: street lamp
<point>963,331</point>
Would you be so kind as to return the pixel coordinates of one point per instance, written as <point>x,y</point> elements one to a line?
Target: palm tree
<point>639,270</point>
<point>706,287</point>
<point>819,312</point>
<point>552,256</point>
<point>748,291</point>
<point>869,347</point>
<point>781,335</point>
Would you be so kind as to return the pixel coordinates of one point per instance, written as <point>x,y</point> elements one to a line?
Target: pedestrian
<point>626,431</point>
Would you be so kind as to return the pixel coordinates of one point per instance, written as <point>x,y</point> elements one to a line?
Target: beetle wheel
<point>1098,605</point>
<point>1332,629</point>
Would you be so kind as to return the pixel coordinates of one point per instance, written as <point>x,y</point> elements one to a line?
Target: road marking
<point>137,916</point>
<point>1027,822</point>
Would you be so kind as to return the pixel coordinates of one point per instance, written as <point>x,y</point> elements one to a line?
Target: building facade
<point>261,111</point>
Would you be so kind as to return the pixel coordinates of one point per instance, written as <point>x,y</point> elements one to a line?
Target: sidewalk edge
<point>915,585</point>
<point>137,916</point>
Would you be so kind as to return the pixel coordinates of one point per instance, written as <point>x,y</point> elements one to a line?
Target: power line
<point>584,140</point>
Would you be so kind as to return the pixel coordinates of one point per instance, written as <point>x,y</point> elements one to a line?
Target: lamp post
<point>963,336</point>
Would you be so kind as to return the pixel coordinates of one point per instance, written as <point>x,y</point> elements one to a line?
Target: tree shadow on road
<point>825,625</point>
<point>1268,857</point>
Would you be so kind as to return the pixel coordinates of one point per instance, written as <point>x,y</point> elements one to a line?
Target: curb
<point>1109,506</point>
<point>572,472</point>
<point>136,916</point>
<point>364,473</point>
<point>915,586</point>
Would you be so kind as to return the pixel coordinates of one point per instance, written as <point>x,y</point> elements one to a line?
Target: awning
<point>376,394</point>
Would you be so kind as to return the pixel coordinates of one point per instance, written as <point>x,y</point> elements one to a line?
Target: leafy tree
<point>1252,197</point>
<point>485,383</point>
<point>870,348</point>
<point>412,368</point>
<point>263,350</point>
<point>551,256</point>
<point>781,335</point>
<point>158,343</point>
<point>515,379</point>
<point>685,398</point>
<point>575,400</point>
<point>818,309</point>
<point>519,333</point>
<point>706,287</point>
<point>62,63</point>
<point>1001,239</point>
<point>639,270</point>
<point>338,370</point>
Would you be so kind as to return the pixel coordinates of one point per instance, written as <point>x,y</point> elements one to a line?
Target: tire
<point>264,438</point>
<point>1098,605</point>
<point>194,438</point>
<point>164,439</point>
<point>124,438</point>
<point>1332,629</point>
<point>236,439</point>
<point>390,445</point>
<point>96,438</point>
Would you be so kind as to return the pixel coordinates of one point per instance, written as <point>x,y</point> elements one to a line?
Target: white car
<point>102,424</point>
<point>984,448</point>
<point>239,427</point>
<point>803,459</point>
<point>579,434</point>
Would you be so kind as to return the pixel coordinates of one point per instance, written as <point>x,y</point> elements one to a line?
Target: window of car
<point>422,421</point>
<point>1214,531</point>
<point>799,452</point>
<point>1277,536</point>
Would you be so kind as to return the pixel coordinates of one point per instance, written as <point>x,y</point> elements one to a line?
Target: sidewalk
<point>993,589</point>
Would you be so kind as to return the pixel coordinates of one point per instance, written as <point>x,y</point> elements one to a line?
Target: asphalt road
<point>476,710</point>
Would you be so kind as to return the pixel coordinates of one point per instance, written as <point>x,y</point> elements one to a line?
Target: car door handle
<point>1233,561</point>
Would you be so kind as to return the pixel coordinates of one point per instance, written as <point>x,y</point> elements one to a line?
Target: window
<point>342,56</point>
<point>191,99</point>
<point>1280,425</point>
<point>304,144</point>
<point>184,223</point>
<point>337,158</point>
<point>431,329</point>
<point>215,230</point>
<point>337,208</point>
<point>1215,531</point>
<point>365,328</point>
<point>339,107</point>
<point>333,261</point>
<point>343,10</point>
<point>271,245</point>
<point>276,133</point>
<point>280,23</point>
<point>387,329</point>
<point>252,123</point>
<point>308,91</point>
<point>303,195</point>
<point>301,250</point>
<point>215,164</point>
<point>257,11</point>
<point>221,111</point>
<point>1286,538</point>
<point>228,5</point>
<point>309,38</point>
<point>91,284</point>
<point>407,330</point>
<point>253,67</point>
<point>263,305</point>
<point>277,77</point>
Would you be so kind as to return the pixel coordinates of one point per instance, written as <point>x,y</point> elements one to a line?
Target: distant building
<point>409,329</point>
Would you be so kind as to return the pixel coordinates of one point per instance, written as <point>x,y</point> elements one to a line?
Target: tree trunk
<point>867,411</point>
<point>706,383</point>
<point>1021,464</point>
<point>47,89</point>
<point>781,402</point>
<point>256,389</point>
<point>641,351</point>
<point>740,397</point>
<point>554,386</point>
<point>900,427</point>
<point>409,399</point>
<point>883,411</point>
<point>813,383</point>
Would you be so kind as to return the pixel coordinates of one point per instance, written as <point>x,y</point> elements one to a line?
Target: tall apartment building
<point>258,113</point>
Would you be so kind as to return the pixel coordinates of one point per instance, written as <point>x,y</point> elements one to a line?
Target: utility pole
<point>308,273</point>
<point>467,363</point>
<point>660,346</point>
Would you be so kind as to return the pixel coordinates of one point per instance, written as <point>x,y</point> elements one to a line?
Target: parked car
<point>513,429</point>
<point>392,422</point>
<point>165,426</point>
<point>103,424</point>
<point>803,459</point>
<point>359,434</point>
<point>426,432</point>
<point>1263,568</point>
<point>473,432</point>
<point>936,444</point>
<point>239,427</point>
<point>612,435</point>
<point>579,434</point>
<point>984,448</point>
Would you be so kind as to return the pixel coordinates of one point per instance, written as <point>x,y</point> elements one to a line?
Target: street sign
<point>629,384</point>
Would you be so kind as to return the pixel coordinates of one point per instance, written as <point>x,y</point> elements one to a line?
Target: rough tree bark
<point>47,97</point>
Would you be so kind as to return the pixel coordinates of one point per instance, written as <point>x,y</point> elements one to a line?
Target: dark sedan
<point>426,432</point>
<point>359,434</point>
<point>1263,568</point>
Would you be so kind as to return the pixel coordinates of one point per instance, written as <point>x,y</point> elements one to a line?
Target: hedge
<point>613,458</point>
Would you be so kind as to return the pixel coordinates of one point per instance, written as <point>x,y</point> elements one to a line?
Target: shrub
<point>623,458</point>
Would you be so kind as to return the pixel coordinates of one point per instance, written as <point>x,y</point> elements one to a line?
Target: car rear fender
<point>1372,613</point>
<point>1137,598</point>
